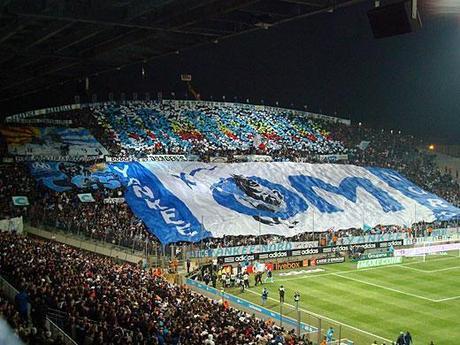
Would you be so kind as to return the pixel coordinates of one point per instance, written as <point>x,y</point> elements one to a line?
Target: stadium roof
<point>51,42</point>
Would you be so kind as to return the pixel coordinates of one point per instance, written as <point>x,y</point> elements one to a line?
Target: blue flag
<point>367,227</point>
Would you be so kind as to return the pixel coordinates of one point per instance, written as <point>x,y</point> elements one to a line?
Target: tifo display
<point>271,198</point>
<point>249,225</point>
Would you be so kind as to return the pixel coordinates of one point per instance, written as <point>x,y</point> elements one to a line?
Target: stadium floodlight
<point>414,9</point>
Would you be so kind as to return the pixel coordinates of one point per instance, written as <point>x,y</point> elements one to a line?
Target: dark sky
<point>331,63</point>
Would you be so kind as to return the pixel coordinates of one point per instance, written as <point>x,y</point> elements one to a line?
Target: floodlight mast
<point>414,9</point>
<point>415,14</point>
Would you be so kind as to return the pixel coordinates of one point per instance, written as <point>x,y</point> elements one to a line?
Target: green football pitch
<point>373,303</point>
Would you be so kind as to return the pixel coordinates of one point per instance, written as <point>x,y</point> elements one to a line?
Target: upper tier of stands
<point>205,127</point>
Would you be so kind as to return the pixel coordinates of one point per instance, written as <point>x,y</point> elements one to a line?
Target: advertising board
<point>392,260</point>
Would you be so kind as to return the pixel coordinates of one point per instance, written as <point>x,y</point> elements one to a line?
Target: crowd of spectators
<point>402,153</point>
<point>112,223</point>
<point>30,331</point>
<point>107,302</point>
<point>171,127</point>
<point>15,180</point>
<point>205,129</point>
<point>324,238</point>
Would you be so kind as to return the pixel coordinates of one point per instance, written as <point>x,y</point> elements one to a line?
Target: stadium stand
<point>15,179</point>
<point>213,129</point>
<point>112,223</point>
<point>102,301</point>
<point>205,128</point>
<point>105,302</point>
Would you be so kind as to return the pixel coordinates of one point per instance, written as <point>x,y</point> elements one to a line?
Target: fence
<point>98,247</point>
<point>290,316</point>
<point>343,334</point>
<point>10,293</point>
<point>8,290</point>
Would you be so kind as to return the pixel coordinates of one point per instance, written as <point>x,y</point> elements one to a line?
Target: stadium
<point>231,172</point>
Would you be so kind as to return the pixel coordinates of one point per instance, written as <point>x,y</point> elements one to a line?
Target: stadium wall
<point>247,306</point>
<point>94,247</point>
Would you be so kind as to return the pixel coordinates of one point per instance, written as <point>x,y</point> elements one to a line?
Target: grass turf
<point>374,303</point>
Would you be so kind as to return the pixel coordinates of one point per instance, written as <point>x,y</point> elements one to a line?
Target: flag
<point>20,201</point>
<point>367,227</point>
<point>364,144</point>
<point>86,197</point>
<point>259,267</point>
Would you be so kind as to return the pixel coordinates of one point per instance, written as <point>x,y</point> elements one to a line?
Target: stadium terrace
<point>231,172</point>
<point>221,193</point>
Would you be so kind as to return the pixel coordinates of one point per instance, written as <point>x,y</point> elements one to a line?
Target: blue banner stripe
<point>165,215</point>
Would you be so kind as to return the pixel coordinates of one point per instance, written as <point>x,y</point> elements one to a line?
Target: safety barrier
<point>10,292</point>
<point>253,307</point>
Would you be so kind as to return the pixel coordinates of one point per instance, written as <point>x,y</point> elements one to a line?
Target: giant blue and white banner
<point>188,201</point>
<point>65,176</point>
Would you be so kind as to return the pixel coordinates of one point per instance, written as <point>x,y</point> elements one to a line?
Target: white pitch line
<point>448,299</point>
<point>443,269</point>
<point>432,271</point>
<point>386,288</point>
<point>328,318</point>
<point>368,269</point>
<point>415,269</point>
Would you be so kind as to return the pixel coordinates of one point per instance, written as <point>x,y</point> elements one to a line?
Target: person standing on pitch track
<point>258,278</point>
<point>400,340</point>
<point>408,338</point>
<point>264,296</point>
<point>246,280</point>
<point>269,276</point>
<point>391,250</point>
<point>242,284</point>
<point>281,292</point>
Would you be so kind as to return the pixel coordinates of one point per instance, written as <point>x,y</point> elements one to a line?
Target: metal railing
<point>10,292</point>
<point>92,245</point>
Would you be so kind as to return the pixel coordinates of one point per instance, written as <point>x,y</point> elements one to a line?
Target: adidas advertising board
<point>275,255</point>
<point>332,260</point>
<point>307,251</point>
<point>304,252</point>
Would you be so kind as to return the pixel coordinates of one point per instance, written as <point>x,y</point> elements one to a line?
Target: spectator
<point>120,304</point>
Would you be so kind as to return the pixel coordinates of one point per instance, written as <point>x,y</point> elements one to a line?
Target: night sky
<point>331,63</point>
